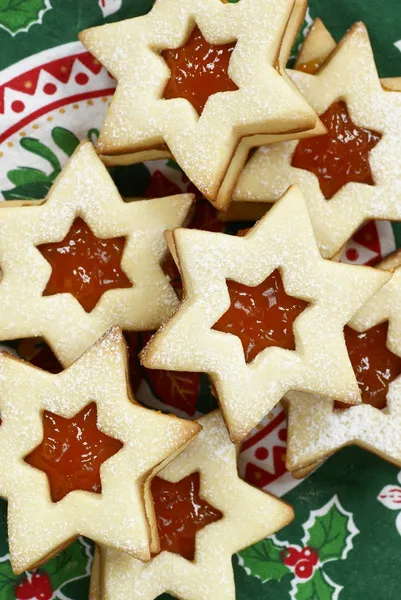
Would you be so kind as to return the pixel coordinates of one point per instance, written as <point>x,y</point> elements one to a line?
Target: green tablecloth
<point>51,95</point>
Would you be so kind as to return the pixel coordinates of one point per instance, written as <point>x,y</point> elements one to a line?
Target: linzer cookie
<point>351,174</point>
<point>317,47</point>
<point>205,514</point>
<point>373,337</point>
<point>170,99</point>
<point>78,454</point>
<point>262,313</point>
<point>84,260</point>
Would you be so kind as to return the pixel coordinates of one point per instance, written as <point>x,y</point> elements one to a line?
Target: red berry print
<point>304,569</point>
<point>292,557</point>
<point>310,555</point>
<point>42,586</point>
<point>302,562</point>
<point>24,590</point>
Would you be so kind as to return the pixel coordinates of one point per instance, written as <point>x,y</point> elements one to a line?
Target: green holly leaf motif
<point>19,15</point>
<point>8,581</point>
<point>318,587</point>
<point>28,191</point>
<point>3,529</point>
<point>24,175</point>
<point>330,531</point>
<point>264,560</point>
<point>65,140</point>
<point>132,180</point>
<point>36,147</point>
<point>71,564</point>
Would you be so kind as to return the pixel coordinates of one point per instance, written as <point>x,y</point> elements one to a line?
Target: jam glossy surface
<point>198,70</point>
<point>84,265</point>
<point>339,157</point>
<point>72,452</point>
<point>181,513</point>
<point>261,316</point>
<point>312,66</point>
<point>375,366</point>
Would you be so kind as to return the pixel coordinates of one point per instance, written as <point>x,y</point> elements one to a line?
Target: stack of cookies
<point>269,314</point>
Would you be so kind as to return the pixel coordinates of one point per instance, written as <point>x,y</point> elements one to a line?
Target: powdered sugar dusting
<point>116,517</point>
<point>248,516</point>
<point>85,189</point>
<point>139,118</point>
<point>349,75</point>
<point>282,239</point>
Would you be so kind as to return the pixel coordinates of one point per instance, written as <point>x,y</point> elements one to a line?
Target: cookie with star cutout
<point>349,175</point>
<point>78,455</point>
<point>84,260</point>
<point>319,428</point>
<point>262,313</point>
<point>169,99</point>
<point>205,514</point>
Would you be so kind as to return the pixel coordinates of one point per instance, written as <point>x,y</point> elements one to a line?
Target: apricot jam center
<point>375,366</point>
<point>84,265</point>
<point>339,157</point>
<point>198,70</point>
<point>181,513</point>
<point>72,452</point>
<point>312,66</point>
<point>261,316</point>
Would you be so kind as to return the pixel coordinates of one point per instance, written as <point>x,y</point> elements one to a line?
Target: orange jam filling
<point>312,66</point>
<point>84,265</point>
<point>72,452</point>
<point>261,316</point>
<point>198,70</point>
<point>339,157</point>
<point>375,366</point>
<point>181,513</point>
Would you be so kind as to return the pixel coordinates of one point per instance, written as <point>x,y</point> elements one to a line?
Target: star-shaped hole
<point>375,366</point>
<point>84,265</point>
<point>181,512</point>
<point>261,316</point>
<point>198,70</point>
<point>339,157</point>
<point>72,452</point>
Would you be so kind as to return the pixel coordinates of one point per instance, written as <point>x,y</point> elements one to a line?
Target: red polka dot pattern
<point>261,453</point>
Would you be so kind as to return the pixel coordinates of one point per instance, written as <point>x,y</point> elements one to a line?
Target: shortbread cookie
<point>229,515</point>
<point>317,47</point>
<point>50,423</point>
<point>317,428</point>
<point>201,116</point>
<point>358,176</point>
<point>84,260</point>
<point>219,270</point>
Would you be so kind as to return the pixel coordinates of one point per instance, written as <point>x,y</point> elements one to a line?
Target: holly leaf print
<point>71,564</point>
<point>330,531</point>
<point>19,15</point>
<point>264,560</point>
<point>318,587</point>
<point>8,581</point>
<point>3,529</point>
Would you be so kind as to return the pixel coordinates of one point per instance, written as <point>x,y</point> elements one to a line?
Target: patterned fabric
<point>346,539</point>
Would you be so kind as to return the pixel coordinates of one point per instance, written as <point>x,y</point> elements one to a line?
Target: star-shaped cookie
<point>85,194</point>
<point>316,428</point>
<point>262,103</point>
<point>316,49</point>
<point>282,240</point>
<point>248,515</point>
<point>349,77</point>
<point>37,526</point>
